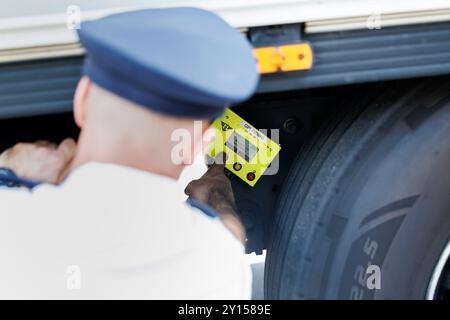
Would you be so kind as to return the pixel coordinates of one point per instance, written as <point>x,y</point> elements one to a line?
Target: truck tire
<point>365,210</point>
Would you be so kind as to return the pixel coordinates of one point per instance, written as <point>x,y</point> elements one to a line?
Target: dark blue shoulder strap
<point>210,212</point>
<point>9,179</point>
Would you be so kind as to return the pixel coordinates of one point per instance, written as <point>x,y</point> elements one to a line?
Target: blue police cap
<point>185,62</point>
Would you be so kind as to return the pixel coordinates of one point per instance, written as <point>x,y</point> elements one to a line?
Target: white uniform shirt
<point>111,231</point>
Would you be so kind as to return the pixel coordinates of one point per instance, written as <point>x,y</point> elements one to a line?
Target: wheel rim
<point>439,283</point>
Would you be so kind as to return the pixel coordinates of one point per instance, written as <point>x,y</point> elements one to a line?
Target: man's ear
<point>80,101</point>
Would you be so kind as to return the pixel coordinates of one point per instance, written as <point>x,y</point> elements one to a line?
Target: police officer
<point>104,217</point>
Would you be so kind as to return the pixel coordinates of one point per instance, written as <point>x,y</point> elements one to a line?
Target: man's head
<point>150,73</point>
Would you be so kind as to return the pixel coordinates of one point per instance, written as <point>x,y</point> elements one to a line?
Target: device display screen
<point>241,146</point>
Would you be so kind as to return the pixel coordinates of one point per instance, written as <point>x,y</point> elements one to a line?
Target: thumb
<point>218,165</point>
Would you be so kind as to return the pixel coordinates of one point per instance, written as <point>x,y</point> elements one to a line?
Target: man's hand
<point>214,189</point>
<point>40,161</point>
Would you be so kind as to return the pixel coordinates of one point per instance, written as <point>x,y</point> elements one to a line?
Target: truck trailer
<point>359,90</point>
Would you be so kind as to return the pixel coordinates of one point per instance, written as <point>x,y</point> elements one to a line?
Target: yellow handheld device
<point>248,151</point>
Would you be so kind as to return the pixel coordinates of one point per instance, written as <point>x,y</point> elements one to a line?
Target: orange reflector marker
<point>269,59</point>
<point>292,57</point>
